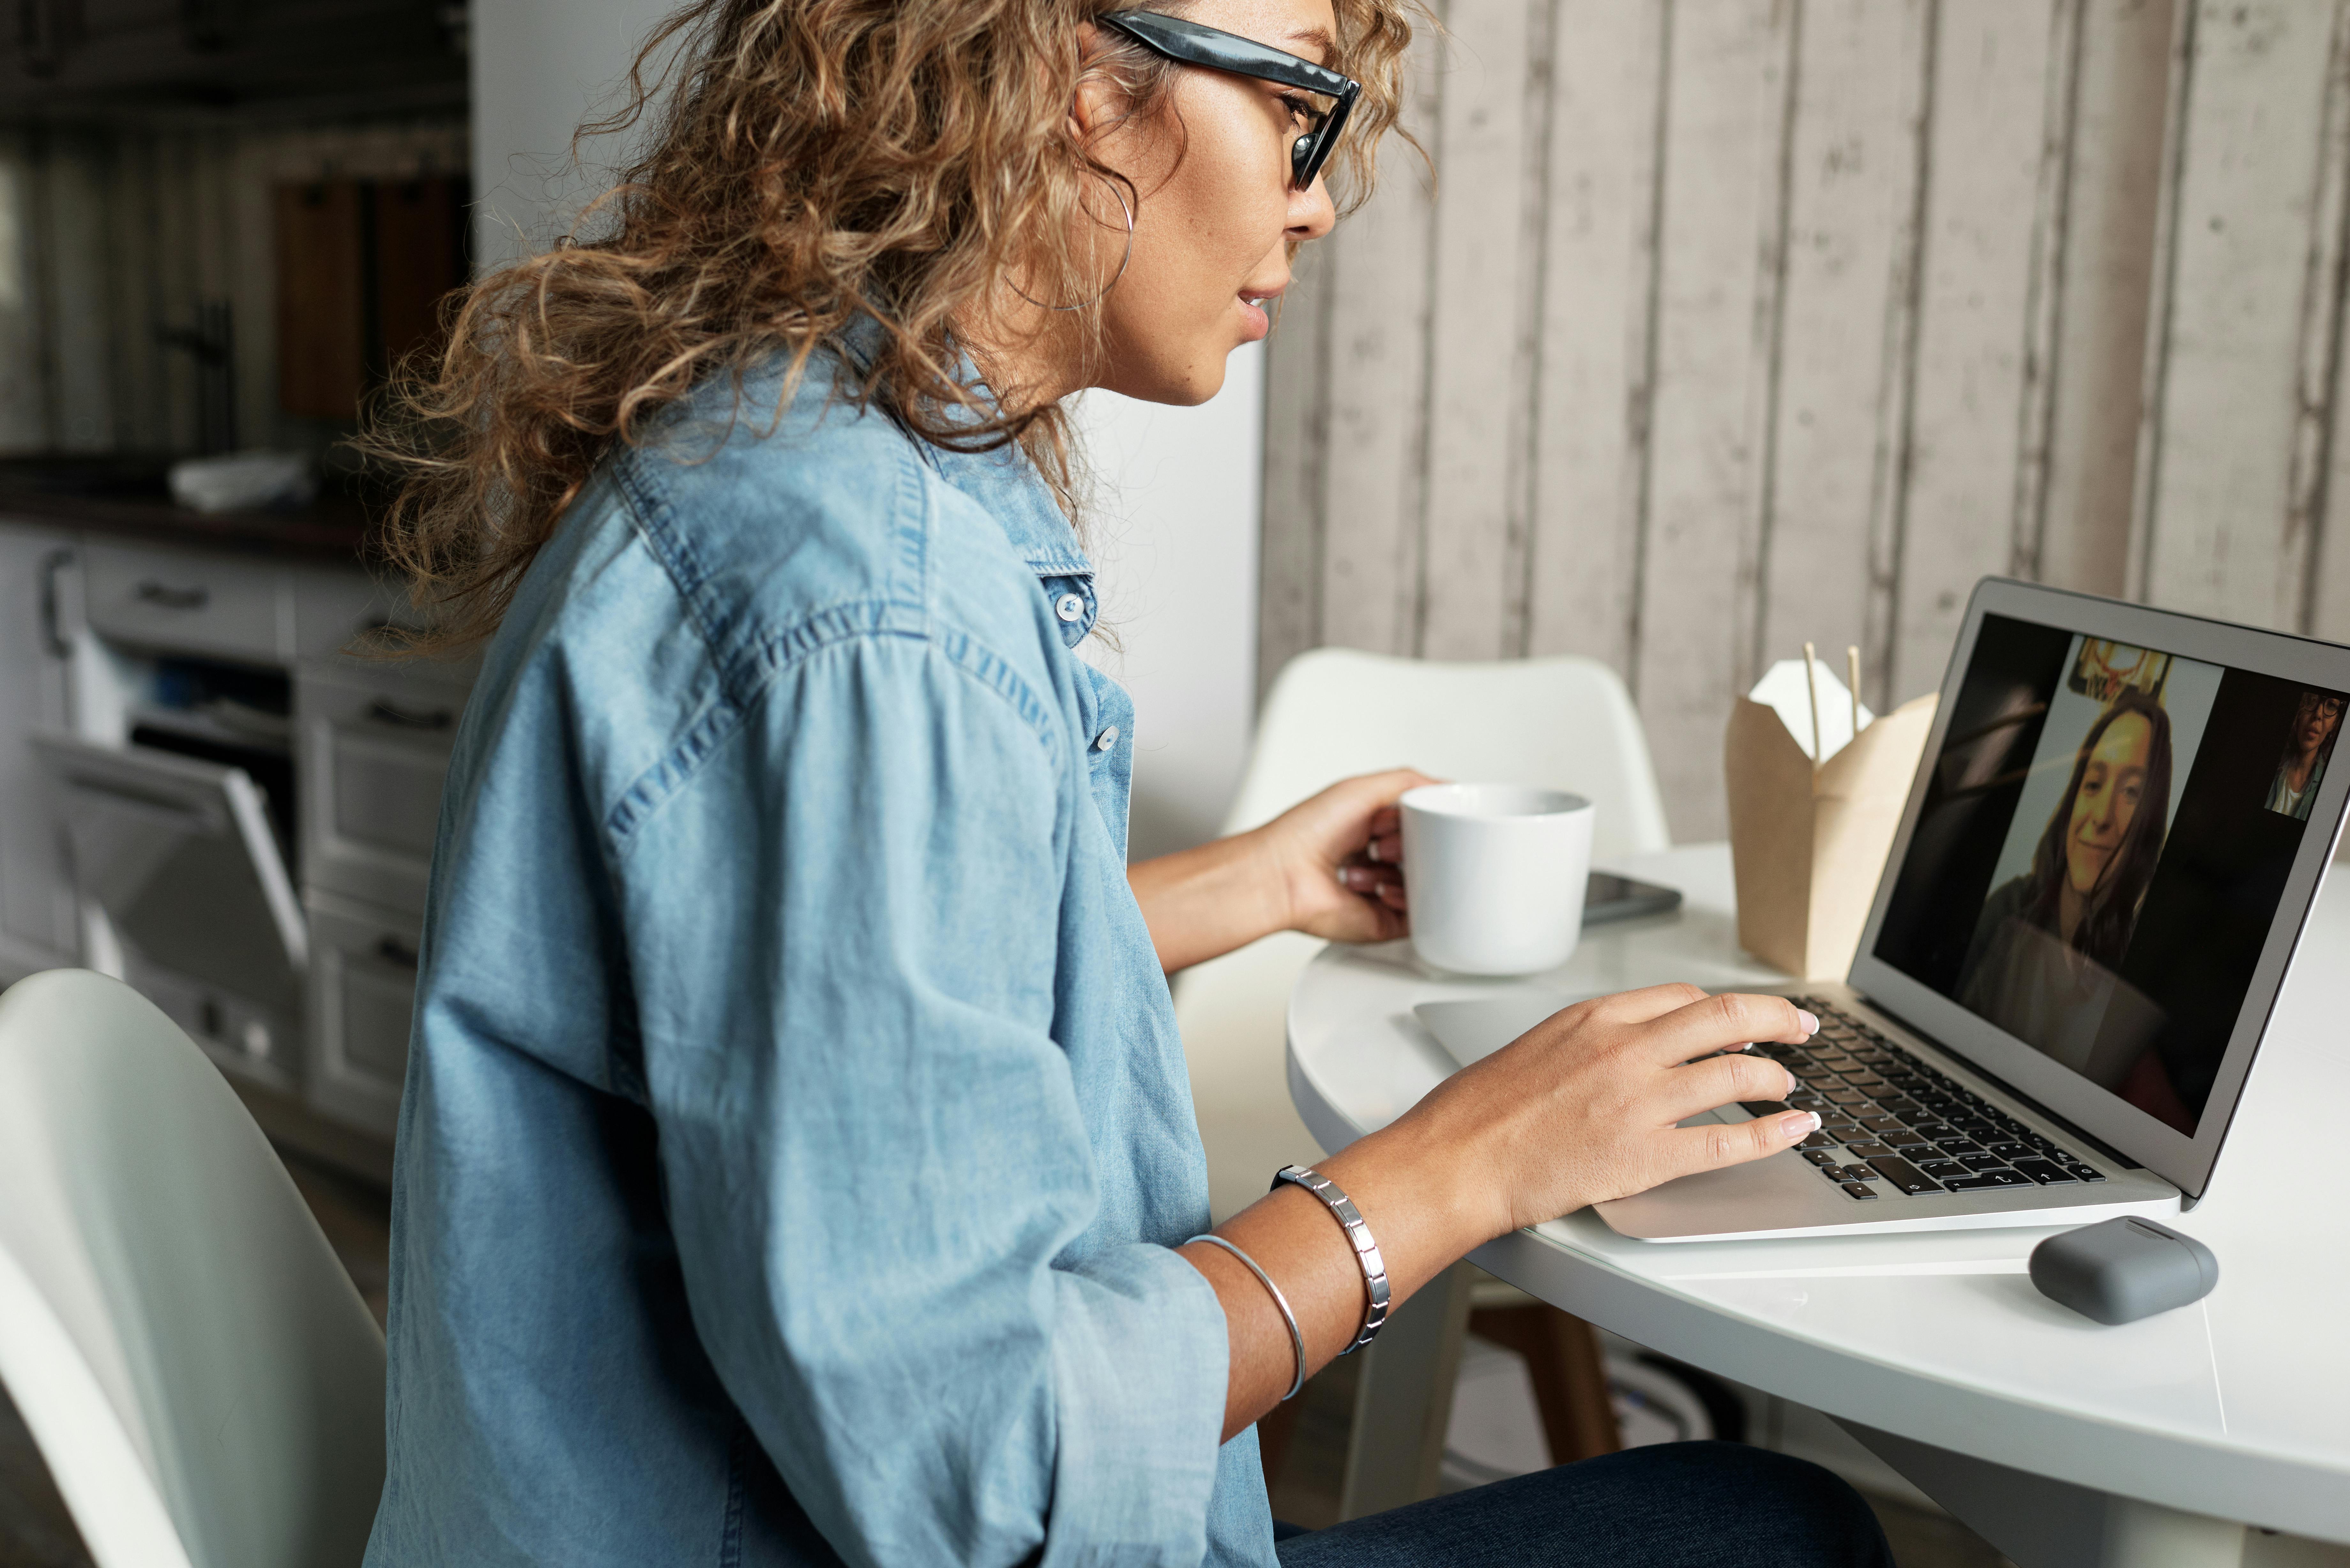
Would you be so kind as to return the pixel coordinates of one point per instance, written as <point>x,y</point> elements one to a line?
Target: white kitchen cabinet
<point>374,748</point>
<point>190,601</point>
<point>227,806</point>
<point>39,584</point>
<point>362,995</point>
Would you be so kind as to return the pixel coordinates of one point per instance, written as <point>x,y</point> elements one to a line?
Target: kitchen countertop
<point>126,498</point>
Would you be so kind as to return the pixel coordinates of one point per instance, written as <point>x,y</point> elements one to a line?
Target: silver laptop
<point>2116,834</point>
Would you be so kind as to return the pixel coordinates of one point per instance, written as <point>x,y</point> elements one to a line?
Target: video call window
<point>2106,835</point>
<point>2306,749</point>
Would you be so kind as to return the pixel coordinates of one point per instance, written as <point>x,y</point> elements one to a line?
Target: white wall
<point>541,67</point>
<point>1174,535</point>
<point>1174,528</point>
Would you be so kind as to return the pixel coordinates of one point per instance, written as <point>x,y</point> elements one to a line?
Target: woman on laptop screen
<point>2047,945</point>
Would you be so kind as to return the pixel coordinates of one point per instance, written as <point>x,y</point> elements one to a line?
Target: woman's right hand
<point>1578,1109</point>
<point>1582,1107</point>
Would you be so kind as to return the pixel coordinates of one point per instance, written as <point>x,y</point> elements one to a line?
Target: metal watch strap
<point>1358,1236</point>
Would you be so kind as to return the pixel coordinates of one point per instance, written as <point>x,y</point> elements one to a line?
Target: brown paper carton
<point>1809,845</point>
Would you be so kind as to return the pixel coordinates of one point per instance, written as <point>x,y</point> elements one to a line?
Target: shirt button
<point>1107,739</point>
<point>1070,607</point>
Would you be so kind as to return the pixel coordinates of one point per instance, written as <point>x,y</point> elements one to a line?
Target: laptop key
<point>2043,1172</point>
<point>1822,1157</point>
<point>1904,1176</point>
<point>1981,1161</point>
<point>2085,1173</point>
<point>1984,1179</point>
<point>1942,1169</point>
<point>1858,1190</point>
<point>1817,1140</point>
<point>1760,1108</point>
<point>1869,1151</point>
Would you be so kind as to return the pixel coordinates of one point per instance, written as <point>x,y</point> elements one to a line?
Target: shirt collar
<point>1008,485</point>
<point>1003,481</point>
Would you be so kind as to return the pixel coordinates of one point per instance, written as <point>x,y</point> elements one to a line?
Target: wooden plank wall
<point>114,233</point>
<point>1730,324</point>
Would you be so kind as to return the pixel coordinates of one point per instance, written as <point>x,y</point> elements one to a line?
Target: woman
<point>2294,789</point>
<point>796,1164</point>
<point>2044,961</point>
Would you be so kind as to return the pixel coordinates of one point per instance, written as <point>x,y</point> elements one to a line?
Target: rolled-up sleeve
<point>844,926</point>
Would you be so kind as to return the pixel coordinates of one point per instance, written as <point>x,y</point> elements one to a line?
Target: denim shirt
<point>795,1128</point>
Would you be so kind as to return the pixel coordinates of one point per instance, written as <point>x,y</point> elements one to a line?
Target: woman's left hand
<point>1339,857</point>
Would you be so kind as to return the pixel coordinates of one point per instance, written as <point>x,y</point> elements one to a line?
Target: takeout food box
<point>1808,843</point>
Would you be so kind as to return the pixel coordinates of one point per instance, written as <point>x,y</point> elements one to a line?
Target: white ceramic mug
<point>1496,874</point>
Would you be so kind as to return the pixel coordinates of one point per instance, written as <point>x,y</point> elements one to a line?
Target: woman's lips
<point>1258,323</point>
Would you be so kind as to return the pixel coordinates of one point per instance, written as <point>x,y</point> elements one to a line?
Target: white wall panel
<point>1833,307</point>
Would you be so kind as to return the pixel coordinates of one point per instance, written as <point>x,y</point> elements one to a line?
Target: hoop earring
<point>1123,264</point>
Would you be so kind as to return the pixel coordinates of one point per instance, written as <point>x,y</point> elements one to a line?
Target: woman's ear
<point>1090,111</point>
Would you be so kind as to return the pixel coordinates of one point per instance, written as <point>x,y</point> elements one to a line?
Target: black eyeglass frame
<point>1190,44</point>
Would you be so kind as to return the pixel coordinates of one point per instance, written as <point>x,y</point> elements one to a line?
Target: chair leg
<point>1570,1382</point>
<point>1403,1399</point>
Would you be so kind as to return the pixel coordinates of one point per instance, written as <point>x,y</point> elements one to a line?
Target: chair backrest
<point>195,1366</point>
<point>1567,723</point>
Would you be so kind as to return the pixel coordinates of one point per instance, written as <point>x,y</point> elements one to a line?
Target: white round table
<point>2065,1443</point>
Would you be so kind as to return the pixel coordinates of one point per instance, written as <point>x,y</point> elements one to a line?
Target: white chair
<point>1567,723</point>
<point>194,1364</point>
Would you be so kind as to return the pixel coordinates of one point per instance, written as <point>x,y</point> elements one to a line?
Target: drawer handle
<point>392,950</point>
<point>52,622</point>
<point>384,711</point>
<point>163,596</point>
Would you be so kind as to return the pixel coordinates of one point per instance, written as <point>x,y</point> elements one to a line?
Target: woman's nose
<point>1312,214</point>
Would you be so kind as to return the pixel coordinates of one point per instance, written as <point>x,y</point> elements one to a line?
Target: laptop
<point>2116,834</point>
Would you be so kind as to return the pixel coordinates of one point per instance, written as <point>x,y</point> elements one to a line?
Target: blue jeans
<point>1672,1505</point>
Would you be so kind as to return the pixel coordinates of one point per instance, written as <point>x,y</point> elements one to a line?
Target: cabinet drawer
<point>180,600</point>
<point>333,608</point>
<point>375,748</point>
<point>362,996</point>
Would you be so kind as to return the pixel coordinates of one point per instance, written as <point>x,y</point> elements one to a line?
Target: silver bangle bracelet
<point>1358,1236</point>
<point>1296,1340</point>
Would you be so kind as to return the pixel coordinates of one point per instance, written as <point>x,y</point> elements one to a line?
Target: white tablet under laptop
<point>2114,839</point>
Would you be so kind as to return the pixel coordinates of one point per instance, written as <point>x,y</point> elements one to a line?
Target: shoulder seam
<point>866,621</point>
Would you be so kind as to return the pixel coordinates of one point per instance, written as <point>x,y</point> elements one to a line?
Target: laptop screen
<point>2103,844</point>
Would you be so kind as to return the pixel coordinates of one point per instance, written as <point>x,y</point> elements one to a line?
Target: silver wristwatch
<point>1358,1236</point>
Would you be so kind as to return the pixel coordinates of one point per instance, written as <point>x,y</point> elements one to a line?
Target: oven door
<point>178,873</point>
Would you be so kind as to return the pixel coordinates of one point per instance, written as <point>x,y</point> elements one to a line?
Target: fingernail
<point>1810,1024</point>
<point>1798,1125</point>
<point>1793,1085</point>
<point>1371,851</point>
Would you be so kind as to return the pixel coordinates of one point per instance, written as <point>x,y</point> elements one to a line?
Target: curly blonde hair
<point>810,163</point>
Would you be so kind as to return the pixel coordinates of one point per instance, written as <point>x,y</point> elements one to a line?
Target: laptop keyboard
<point>1892,1127</point>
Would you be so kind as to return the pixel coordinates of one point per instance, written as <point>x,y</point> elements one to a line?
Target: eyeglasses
<point>1190,44</point>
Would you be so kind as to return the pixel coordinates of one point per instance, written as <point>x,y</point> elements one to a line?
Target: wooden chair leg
<point>1570,1381</point>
